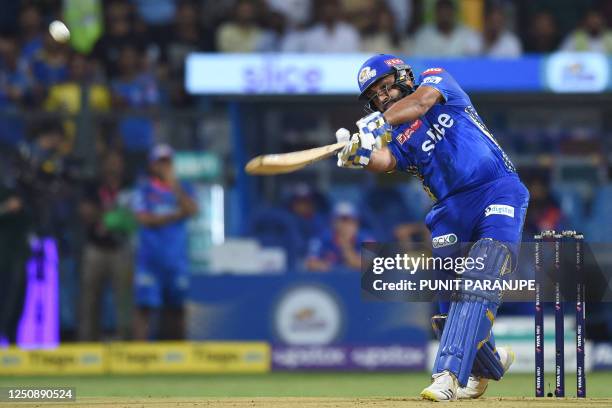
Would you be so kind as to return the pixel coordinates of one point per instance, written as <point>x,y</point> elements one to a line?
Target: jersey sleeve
<point>444,82</point>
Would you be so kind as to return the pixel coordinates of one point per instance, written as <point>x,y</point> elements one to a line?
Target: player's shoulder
<point>434,75</point>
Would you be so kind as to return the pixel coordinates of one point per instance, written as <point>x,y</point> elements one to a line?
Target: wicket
<point>557,239</point>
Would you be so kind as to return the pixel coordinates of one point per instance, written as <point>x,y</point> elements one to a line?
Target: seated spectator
<point>186,36</point>
<point>66,95</point>
<point>31,32</point>
<point>544,212</point>
<point>330,34</point>
<point>445,38</point>
<point>242,33</point>
<point>106,256</point>
<point>542,35</point>
<point>498,41</point>
<point>593,35</point>
<point>380,36</point>
<point>156,12</point>
<point>342,246</point>
<point>303,205</point>
<point>119,22</point>
<point>162,205</point>
<point>273,34</point>
<point>135,89</point>
<point>296,12</point>
<point>50,64</point>
<point>14,86</point>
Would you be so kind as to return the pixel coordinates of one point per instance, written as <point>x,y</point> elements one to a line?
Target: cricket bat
<point>269,164</point>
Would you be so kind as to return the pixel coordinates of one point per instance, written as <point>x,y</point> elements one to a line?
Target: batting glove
<point>356,154</point>
<point>376,124</point>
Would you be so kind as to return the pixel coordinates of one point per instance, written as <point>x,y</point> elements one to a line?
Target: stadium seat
<point>275,227</point>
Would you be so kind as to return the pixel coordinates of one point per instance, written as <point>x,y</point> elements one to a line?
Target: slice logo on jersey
<point>444,240</point>
<point>365,74</point>
<point>432,80</point>
<point>394,61</point>
<point>437,131</point>
<point>432,71</point>
<point>500,209</point>
<point>405,135</point>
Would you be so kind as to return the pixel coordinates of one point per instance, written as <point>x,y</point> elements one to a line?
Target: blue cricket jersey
<point>449,148</point>
<point>166,242</point>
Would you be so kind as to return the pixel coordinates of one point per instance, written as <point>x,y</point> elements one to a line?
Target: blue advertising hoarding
<point>335,74</point>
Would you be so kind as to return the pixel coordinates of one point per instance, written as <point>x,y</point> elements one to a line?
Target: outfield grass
<point>348,385</point>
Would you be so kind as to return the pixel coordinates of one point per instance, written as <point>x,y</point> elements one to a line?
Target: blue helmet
<point>380,66</point>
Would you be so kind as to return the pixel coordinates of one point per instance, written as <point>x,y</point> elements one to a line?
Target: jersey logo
<point>394,61</point>
<point>405,135</point>
<point>436,132</point>
<point>500,209</point>
<point>365,74</point>
<point>444,240</point>
<point>432,71</point>
<point>432,80</point>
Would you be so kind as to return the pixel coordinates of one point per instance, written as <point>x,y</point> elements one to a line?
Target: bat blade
<point>269,164</point>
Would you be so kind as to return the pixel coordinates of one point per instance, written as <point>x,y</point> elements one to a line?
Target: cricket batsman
<point>429,128</point>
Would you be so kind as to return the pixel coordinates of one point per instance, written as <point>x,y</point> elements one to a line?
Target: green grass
<point>288,384</point>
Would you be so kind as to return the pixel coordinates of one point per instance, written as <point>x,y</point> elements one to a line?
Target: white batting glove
<point>356,154</point>
<point>376,124</point>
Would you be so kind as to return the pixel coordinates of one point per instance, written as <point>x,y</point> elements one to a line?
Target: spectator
<point>341,247</point>
<point>187,36</point>
<point>329,35</point>
<point>303,205</point>
<point>66,96</point>
<point>162,206</point>
<point>14,86</point>
<point>445,37</point>
<point>119,20</point>
<point>498,41</point>
<point>243,33</point>
<point>135,89</point>
<point>544,212</point>
<point>380,36</point>
<point>542,35</point>
<point>106,255</point>
<point>272,37</point>
<point>32,35</point>
<point>49,65</point>
<point>592,36</point>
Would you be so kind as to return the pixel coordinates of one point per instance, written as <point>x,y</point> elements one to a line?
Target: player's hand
<point>376,124</point>
<point>356,154</point>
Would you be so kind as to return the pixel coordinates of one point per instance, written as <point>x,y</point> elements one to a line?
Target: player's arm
<point>413,106</point>
<point>381,161</point>
<point>157,220</point>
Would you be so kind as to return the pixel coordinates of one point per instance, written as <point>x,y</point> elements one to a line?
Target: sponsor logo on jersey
<point>444,240</point>
<point>394,61</point>
<point>432,71</point>
<point>409,131</point>
<point>500,209</point>
<point>437,131</point>
<point>432,80</point>
<point>365,74</point>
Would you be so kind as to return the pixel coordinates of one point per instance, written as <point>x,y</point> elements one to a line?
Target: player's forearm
<point>405,110</point>
<point>381,161</point>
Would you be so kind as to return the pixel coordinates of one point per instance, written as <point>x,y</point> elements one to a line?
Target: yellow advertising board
<point>138,358</point>
<point>222,357</point>
<point>143,358</point>
<point>84,358</point>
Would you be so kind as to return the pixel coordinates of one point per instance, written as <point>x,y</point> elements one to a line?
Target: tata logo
<point>365,74</point>
<point>409,131</point>
<point>444,240</point>
<point>437,131</point>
